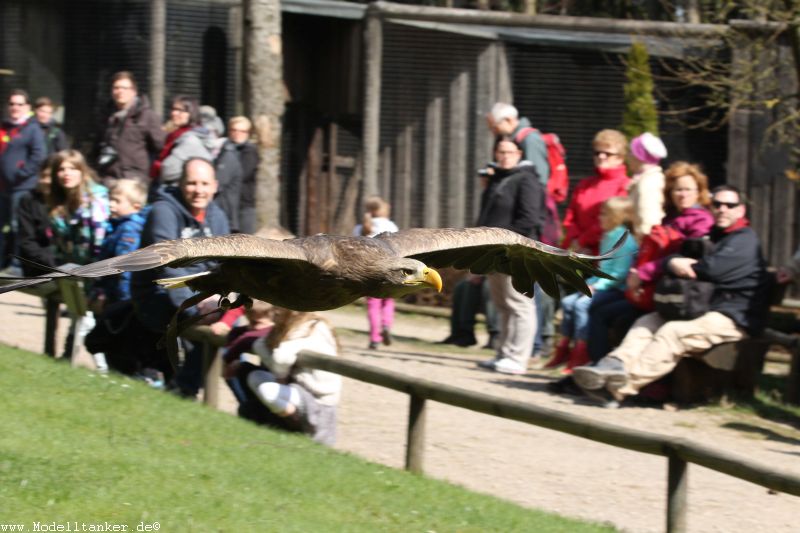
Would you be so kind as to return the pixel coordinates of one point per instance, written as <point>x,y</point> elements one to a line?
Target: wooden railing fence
<point>678,451</point>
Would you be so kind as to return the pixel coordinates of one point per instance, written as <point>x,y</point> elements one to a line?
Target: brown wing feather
<point>185,251</point>
<point>486,250</point>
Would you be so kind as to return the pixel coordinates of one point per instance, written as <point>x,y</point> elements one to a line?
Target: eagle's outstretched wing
<point>487,250</point>
<point>176,253</point>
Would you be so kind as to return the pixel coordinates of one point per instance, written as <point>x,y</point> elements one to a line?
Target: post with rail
<point>415,445</point>
<point>677,488</point>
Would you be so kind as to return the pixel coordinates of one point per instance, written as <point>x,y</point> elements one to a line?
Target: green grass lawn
<point>78,447</point>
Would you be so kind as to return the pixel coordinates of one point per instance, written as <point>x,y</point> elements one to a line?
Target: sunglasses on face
<point>598,153</point>
<point>716,204</point>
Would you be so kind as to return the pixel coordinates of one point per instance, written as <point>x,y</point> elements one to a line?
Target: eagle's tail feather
<point>180,281</point>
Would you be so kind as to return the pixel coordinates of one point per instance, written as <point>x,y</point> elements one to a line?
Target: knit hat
<point>648,148</point>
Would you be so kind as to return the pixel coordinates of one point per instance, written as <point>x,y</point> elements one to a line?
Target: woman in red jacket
<point>582,231</point>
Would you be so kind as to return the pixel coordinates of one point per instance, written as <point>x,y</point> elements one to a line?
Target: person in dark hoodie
<point>185,212</point>
<point>651,349</point>
<point>132,136</point>
<point>22,151</point>
<point>513,199</point>
<point>35,235</point>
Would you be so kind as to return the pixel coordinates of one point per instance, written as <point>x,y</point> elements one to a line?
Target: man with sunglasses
<point>22,150</point>
<point>653,346</point>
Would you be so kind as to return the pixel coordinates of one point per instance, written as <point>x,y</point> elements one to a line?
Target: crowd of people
<point>618,341</point>
<point>145,182</point>
<point>149,181</point>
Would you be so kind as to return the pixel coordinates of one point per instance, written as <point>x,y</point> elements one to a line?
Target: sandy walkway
<point>531,466</point>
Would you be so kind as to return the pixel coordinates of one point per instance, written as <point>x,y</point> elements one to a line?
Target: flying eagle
<point>326,271</point>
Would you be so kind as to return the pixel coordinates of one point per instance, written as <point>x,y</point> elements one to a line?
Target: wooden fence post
<point>415,447</point>
<point>52,307</point>
<point>213,370</point>
<point>677,488</point>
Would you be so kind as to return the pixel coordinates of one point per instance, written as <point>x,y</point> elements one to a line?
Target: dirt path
<point>529,465</point>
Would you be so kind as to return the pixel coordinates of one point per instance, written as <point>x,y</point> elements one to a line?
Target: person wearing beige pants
<point>653,346</point>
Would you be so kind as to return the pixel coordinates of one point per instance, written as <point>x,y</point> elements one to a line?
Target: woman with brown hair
<point>79,209</point>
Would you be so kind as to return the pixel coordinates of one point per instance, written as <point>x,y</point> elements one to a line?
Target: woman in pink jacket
<point>582,222</point>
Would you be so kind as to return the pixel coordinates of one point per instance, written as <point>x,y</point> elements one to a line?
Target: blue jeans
<point>575,323</point>
<point>609,310</point>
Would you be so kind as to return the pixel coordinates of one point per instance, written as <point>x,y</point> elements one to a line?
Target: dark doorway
<point>214,75</point>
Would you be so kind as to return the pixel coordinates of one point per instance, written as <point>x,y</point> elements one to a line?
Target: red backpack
<point>558,182</point>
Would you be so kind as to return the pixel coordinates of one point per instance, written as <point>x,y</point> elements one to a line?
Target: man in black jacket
<point>514,199</point>
<point>653,346</point>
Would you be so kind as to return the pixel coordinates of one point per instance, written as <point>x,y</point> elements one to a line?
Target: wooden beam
<point>415,442</point>
<point>373,39</point>
<point>158,50</point>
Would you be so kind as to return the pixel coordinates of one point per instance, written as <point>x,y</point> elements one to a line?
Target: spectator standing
<point>582,222</point>
<point>380,311</point>
<point>653,346</point>
<point>504,119</point>
<point>189,139</point>
<point>22,151</point>
<point>470,295</point>
<point>184,212</point>
<point>239,130</point>
<point>646,189</point>
<point>54,138</point>
<point>284,394</point>
<point>230,173</point>
<point>132,135</point>
<point>515,200</point>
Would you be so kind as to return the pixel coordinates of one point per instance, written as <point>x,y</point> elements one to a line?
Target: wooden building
<point>390,99</point>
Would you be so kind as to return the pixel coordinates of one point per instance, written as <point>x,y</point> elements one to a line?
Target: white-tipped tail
<point>180,281</point>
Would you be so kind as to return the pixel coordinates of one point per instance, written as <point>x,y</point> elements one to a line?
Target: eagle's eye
<point>407,271</point>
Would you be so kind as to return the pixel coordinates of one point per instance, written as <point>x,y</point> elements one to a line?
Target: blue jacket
<point>619,264</point>
<point>125,235</point>
<point>170,219</point>
<point>534,150</point>
<point>21,157</point>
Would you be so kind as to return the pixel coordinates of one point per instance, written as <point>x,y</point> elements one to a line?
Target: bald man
<point>184,212</point>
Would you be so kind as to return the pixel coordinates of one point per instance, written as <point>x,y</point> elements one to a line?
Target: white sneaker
<point>509,366</point>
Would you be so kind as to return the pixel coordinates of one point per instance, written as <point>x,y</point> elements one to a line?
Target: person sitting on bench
<point>653,346</point>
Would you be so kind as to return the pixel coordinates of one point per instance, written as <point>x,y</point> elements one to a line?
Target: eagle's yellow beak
<point>432,278</point>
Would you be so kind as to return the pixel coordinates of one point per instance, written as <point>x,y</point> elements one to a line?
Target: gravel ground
<point>531,466</point>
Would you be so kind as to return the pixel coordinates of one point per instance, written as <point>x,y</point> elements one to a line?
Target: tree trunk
<point>265,101</point>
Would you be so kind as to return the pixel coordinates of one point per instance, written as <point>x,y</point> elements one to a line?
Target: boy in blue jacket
<point>128,215</point>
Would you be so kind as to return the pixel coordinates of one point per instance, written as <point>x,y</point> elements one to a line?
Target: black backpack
<point>682,298</point>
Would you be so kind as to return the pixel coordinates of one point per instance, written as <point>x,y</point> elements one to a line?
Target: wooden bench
<point>734,368</point>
